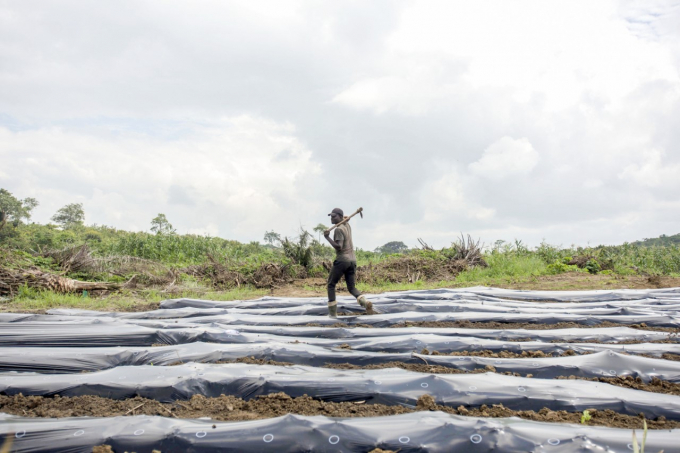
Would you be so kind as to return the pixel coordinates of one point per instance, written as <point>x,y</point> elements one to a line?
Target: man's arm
<point>337,245</point>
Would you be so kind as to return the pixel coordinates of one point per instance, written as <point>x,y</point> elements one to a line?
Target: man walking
<point>345,263</point>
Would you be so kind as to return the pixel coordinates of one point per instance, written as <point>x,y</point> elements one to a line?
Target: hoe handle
<point>346,219</point>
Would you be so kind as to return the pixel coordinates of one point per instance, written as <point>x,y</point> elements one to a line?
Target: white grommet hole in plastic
<point>268,438</point>
<point>79,433</point>
<point>554,441</point>
<point>139,432</point>
<point>333,440</point>
<point>475,438</point>
<point>424,385</point>
<point>20,434</point>
<point>404,439</point>
<point>521,389</point>
<point>630,446</point>
<point>201,434</point>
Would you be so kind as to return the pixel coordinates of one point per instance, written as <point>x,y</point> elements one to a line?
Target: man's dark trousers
<point>349,270</point>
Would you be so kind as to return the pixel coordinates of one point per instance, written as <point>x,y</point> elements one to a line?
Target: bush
<point>560,267</point>
<point>593,266</point>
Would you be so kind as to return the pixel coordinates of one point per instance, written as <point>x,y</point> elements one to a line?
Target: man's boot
<point>366,304</point>
<point>333,309</point>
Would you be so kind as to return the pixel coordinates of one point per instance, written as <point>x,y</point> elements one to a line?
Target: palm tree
<point>320,228</point>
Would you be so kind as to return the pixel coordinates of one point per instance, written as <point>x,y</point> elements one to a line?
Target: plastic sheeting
<point>601,334</point>
<point>653,307</point>
<point>70,341</point>
<point>319,309</point>
<point>388,320</point>
<point>74,360</point>
<point>91,335</point>
<point>391,386</point>
<point>418,432</point>
<point>23,331</point>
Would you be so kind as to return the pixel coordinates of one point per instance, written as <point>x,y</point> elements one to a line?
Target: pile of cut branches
<point>226,275</point>
<point>468,250</point>
<point>138,270</point>
<point>410,269</point>
<point>11,280</point>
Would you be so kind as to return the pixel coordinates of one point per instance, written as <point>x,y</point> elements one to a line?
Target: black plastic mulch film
<point>117,348</point>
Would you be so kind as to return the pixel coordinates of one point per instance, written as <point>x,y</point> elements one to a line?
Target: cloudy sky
<point>534,120</point>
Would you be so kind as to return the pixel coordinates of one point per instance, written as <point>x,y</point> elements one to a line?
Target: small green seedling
<point>641,448</point>
<point>585,417</point>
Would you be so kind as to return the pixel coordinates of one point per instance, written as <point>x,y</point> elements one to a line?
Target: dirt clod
<point>229,408</point>
<point>102,449</point>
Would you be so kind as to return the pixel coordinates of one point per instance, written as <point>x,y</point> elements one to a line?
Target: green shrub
<point>559,267</point>
<point>593,266</point>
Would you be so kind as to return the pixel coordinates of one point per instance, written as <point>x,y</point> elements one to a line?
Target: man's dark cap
<point>337,211</point>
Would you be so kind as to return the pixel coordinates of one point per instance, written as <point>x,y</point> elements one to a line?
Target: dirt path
<point>569,281</point>
<point>229,408</point>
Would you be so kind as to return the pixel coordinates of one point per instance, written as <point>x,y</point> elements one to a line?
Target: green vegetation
<point>662,241</point>
<point>392,247</point>
<point>585,417</point>
<point>640,448</point>
<point>32,299</point>
<point>14,210</point>
<point>70,216</point>
<point>159,264</point>
<point>504,259</point>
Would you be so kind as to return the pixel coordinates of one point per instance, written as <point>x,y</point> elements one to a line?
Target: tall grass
<point>504,266</point>
<point>32,299</point>
<point>184,249</point>
<point>504,259</point>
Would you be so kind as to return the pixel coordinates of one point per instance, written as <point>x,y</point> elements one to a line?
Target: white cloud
<point>500,118</point>
<point>445,199</point>
<point>506,157</point>
<point>553,52</point>
<point>652,171</point>
<point>231,168</point>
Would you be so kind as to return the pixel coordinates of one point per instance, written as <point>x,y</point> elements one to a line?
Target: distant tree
<point>13,209</point>
<point>270,237</point>
<point>392,247</point>
<point>662,241</point>
<point>70,215</point>
<point>320,228</point>
<point>161,225</point>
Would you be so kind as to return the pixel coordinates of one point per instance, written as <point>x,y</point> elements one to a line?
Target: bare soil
<point>229,408</point>
<point>103,449</point>
<point>311,287</point>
